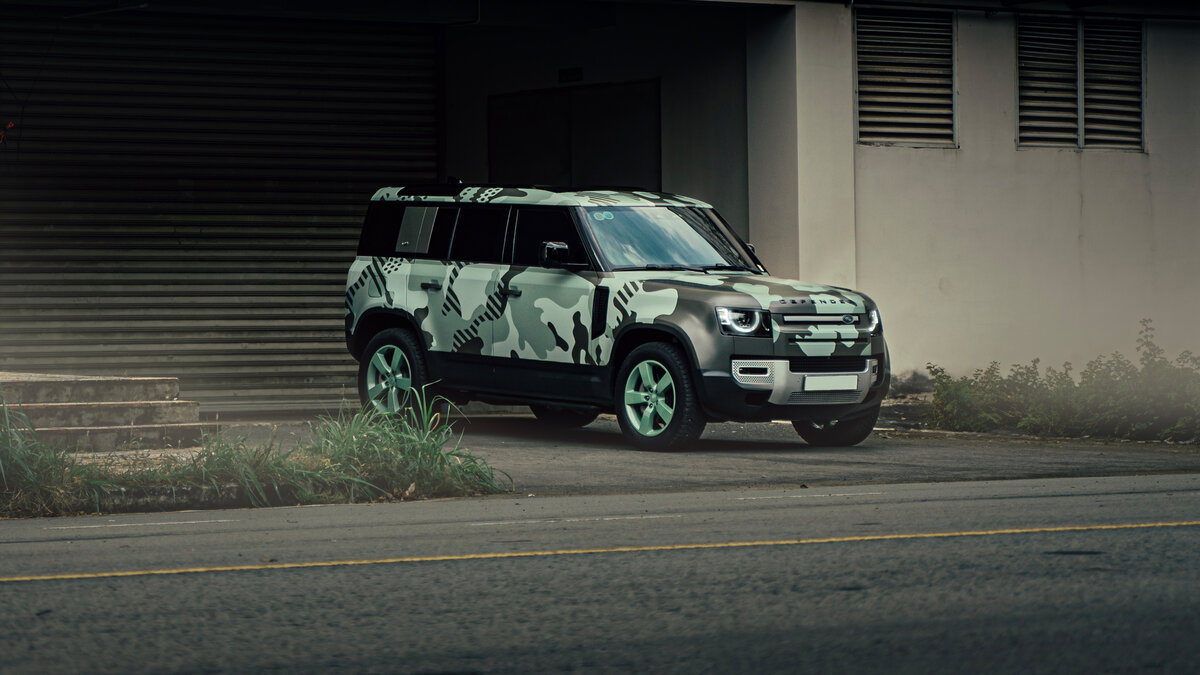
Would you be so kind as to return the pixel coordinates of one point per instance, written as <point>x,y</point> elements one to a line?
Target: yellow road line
<point>589,551</point>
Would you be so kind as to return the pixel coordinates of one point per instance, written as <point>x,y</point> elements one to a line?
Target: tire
<point>564,418</point>
<point>655,399</point>
<point>393,365</point>
<point>836,433</point>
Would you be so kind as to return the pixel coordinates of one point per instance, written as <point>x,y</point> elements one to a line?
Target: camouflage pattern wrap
<point>551,319</point>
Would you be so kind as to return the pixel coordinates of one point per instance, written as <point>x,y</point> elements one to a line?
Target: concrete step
<point>44,388</point>
<point>109,414</point>
<point>126,437</point>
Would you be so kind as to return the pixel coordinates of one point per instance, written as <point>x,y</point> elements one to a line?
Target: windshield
<point>658,237</point>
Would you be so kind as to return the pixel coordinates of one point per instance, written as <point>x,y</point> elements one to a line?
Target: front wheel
<point>393,365</point>
<point>655,399</point>
<point>837,433</point>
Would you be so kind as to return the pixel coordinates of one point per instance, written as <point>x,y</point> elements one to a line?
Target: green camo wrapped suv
<point>577,302</point>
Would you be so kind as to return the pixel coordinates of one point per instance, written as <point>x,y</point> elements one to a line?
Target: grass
<point>352,457</point>
<point>37,479</point>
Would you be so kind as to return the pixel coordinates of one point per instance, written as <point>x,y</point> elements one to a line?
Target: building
<point>183,181</point>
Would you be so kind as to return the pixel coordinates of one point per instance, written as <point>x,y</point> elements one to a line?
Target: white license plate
<point>830,382</point>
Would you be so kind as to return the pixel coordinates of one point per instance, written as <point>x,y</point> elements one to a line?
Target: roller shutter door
<point>182,196</point>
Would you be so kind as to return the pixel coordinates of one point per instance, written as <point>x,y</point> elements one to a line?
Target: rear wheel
<point>393,365</point>
<point>564,418</point>
<point>837,433</point>
<point>655,399</point>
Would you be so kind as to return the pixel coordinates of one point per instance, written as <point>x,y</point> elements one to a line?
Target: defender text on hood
<point>643,304</point>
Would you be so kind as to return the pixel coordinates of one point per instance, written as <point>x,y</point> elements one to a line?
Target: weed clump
<point>37,479</point>
<point>1154,399</point>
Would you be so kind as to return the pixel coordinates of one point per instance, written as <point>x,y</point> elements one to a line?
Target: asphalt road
<point>1049,575</point>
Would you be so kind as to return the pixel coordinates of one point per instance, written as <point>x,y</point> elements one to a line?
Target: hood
<point>786,296</point>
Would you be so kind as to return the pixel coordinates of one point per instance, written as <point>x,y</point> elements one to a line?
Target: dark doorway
<point>593,135</point>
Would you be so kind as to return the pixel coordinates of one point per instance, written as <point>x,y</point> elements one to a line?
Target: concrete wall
<point>987,252</point>
<point>697,53</point>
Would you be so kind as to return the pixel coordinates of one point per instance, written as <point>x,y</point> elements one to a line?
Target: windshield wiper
<point>659,266</point>
<point>724,266</point>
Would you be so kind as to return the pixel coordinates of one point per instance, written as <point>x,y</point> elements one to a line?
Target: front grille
<point>818,397</point>
<point>827,364</point>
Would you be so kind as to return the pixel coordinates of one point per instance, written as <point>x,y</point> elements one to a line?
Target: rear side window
<point>393,229</point>
<point>538,225</point>
<point>479,235</point>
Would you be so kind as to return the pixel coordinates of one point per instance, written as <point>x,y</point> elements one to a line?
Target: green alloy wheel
<point>650,398</point>
<point>655,401</point>
<point>392,366</point>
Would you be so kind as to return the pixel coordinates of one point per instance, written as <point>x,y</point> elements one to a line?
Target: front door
<point>544,329</point>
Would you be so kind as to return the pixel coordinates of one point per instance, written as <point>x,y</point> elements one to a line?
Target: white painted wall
<point>698,53</point>
<point>987,252</point>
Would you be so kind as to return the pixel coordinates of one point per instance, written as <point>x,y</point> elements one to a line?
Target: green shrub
<point>1155,399</point>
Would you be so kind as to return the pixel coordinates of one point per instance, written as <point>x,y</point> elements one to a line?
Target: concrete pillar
<point>800,109</point>
<point>771,140</point>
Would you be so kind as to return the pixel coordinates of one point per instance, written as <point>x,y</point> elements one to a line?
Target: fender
<point>374,320</point>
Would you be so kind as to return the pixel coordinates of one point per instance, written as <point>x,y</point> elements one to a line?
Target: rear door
<point>455,296</point>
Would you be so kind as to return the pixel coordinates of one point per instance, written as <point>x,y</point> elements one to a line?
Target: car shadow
<point>605,434</point>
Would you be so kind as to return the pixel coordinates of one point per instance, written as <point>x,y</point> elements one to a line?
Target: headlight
<point>744,322</point>
<point>874,322</point>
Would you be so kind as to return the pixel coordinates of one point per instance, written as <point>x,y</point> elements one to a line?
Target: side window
<point>392,229</point>
<point>380,229</point>
<point>415,228</point>
<point>479,236</point>
<point>443,232</point>
<point>536,225</point>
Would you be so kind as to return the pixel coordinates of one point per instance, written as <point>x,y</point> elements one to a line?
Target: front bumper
<point>767,389</point>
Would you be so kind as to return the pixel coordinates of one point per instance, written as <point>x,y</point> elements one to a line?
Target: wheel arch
<point>635,336</point>
<point>372,322</point>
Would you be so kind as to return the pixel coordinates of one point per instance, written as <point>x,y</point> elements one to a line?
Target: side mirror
<point>553,254</point>
<point>750,246</point>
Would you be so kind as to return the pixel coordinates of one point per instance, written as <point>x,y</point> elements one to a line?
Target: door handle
<point>434,285</point>
<point>511,291</point>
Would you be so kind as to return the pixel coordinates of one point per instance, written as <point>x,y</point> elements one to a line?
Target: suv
<point>577,302</point>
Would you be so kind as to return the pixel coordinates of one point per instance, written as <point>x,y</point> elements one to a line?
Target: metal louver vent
<point>905,77</point>
<point>1080,83</point>
<point>1047,54</point>
<point>1112,84</point>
